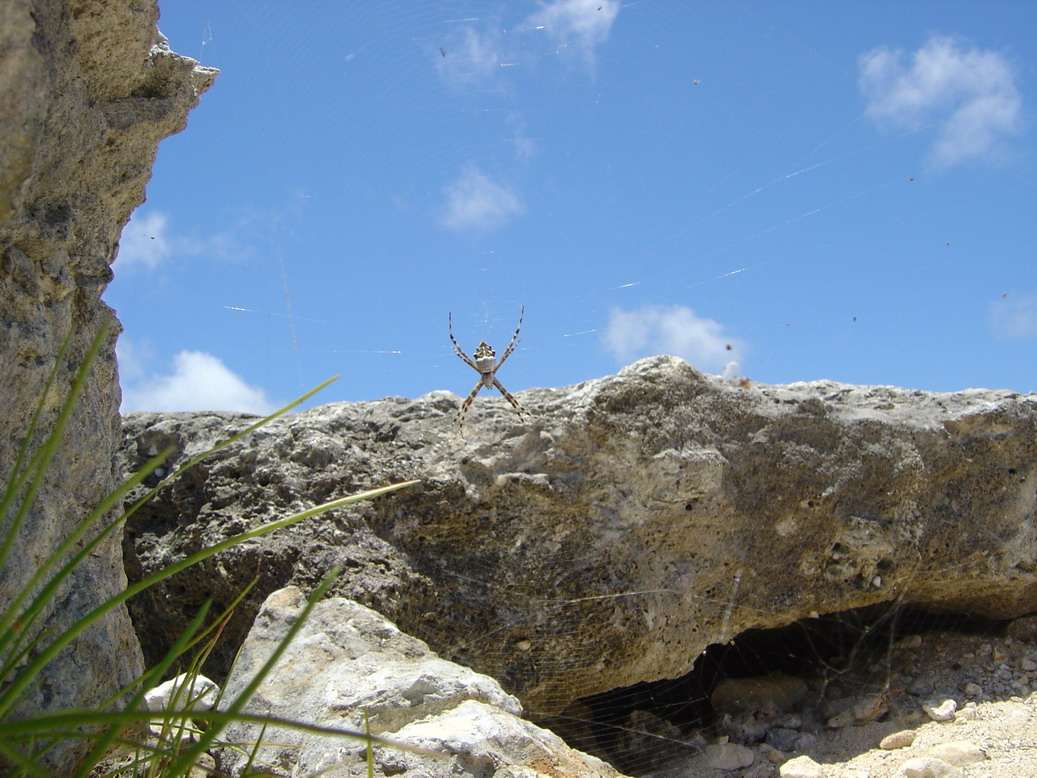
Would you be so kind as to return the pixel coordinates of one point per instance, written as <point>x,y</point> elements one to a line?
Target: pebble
<point>940,711</point>
<point>928,767</point>
<point>728,756</point>
<point>199,694</point>
<point>911,641</point>
<point>919,687</point>
<point>864,709</point>
<point>806,740</point>
<point>958,752</point>
<point>973,689</point>
<point>801,767</point>
<point>1024,628</point>
<point>901,739</point>
<point>782,739</point>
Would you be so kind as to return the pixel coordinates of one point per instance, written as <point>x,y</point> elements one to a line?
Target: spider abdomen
<point>485,360</point>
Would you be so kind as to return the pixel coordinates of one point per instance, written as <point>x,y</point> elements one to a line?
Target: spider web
<point>643,177</point>
<point>521,627</point>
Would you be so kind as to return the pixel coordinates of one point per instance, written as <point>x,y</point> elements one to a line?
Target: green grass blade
<point>217,626</point>
<point>239,702</point>
<point>27,764</point>
<point>18,684</point>
<point>46,594</point>
<point>10,615</point>
<point>105,740</point>
<point>68,723</point>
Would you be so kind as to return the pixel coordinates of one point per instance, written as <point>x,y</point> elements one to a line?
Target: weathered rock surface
<point>640,518</point>
<point>85,96</point>
<point>348,662</point>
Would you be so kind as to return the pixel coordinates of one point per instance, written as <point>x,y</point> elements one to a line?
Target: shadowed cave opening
<point>640,727</point>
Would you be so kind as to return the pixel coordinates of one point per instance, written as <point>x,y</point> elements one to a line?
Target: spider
<point>484,361</point>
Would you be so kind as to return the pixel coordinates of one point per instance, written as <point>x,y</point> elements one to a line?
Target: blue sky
<point>805,189</point>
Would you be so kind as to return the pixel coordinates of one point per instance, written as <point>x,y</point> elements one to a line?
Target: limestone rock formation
<point>640,518</point>
<point>348,661</point>
<point>87,91</point>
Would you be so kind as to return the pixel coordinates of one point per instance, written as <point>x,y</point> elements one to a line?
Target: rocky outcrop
<point>640,518</point>
<point>349,668</point>
<point>86,94</point>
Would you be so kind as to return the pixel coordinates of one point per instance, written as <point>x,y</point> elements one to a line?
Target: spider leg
<point>457,349</point>
<point>510,398</point>
<point>514,342</point>
<point>463,410</point>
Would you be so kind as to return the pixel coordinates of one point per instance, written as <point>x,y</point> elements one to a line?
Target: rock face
<point>348,661</point>
<point>638,519</point>
<point>86,94</point>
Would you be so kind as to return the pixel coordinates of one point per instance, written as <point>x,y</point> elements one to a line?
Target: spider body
<point>484,361</point>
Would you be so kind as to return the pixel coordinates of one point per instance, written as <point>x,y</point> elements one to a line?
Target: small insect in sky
<point>484,361</point>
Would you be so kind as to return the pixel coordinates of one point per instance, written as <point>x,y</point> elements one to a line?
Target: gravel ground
<point>936,704</point>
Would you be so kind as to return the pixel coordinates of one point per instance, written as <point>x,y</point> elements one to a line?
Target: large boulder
<point>87,90</point>
<point>638,519</point>
<point>349,668</point>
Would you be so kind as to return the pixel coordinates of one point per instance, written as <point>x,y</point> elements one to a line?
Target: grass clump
<point>162,743</point>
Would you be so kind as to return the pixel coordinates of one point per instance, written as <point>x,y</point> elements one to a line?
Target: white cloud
<point>468,58</point>
<point>969,95</point>
<point>475,201</point>
<point>1015,317</point>
<point>133,359</point>
<point>144,242</point>
<point>199,382</point>
<point>580,25</point>
<point>147,241</point>
<point>524,147</point>
<point>676,330</point>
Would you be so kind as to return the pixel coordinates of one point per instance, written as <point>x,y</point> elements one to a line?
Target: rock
<point>928,767</point>
<point>86,94</point>
<point>973,689</point>
<point>728,756</point>
<point>349,668</point>
<point>482,741</point>
<point>200,693</point>
<point>863,709</point>
<point>801,767</point>
<point>901,739</point>
<point>662,509</point>
<point>959,752</point>
<point>1023,628</point>
<point>940,710</point>
<point>782,739</point>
